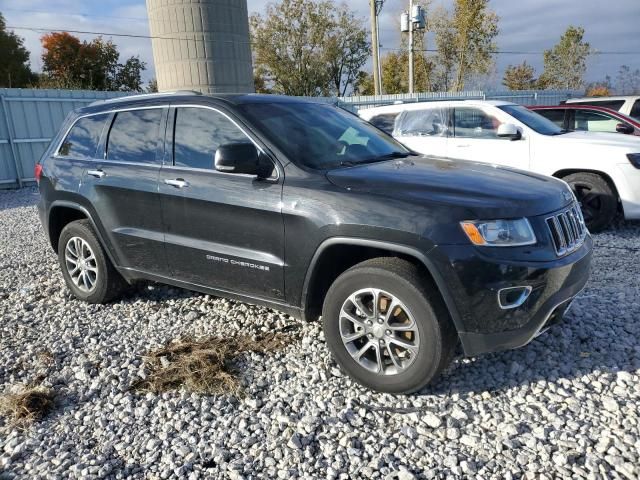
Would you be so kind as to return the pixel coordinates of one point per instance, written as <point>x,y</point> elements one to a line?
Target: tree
<point>308,48</point>
<point>628,81</point>
<point>565,64</point>
<point>519,77</point>
<point>69,63</point>
<point>15,71</point>
<point>471,30</point>
<point>152,86</point>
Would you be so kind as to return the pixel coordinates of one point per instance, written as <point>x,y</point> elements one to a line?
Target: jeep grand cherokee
<point>310,210</point>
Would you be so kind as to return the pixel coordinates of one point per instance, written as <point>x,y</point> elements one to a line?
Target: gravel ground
<point>564,406</point>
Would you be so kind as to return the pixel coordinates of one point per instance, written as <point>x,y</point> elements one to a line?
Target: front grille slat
<point>567,230</point>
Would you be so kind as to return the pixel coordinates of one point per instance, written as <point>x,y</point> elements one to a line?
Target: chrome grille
<point>567,230</point>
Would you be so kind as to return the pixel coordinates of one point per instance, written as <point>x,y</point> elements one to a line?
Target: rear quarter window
<point>635,110</point>
<point>82,140</point>
<point>556,116</point>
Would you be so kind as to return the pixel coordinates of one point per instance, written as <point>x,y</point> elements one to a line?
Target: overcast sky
<point>525,25</point>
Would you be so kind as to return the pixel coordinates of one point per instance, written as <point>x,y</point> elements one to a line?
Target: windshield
<point>322,136</point>
<point>532,120</point>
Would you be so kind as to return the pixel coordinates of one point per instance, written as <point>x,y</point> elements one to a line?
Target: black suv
<point>308,209</point>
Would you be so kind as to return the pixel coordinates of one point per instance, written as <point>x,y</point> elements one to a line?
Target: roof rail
<point>145,95</point>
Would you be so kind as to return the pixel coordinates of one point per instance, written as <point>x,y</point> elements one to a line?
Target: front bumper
<point>474,281</point>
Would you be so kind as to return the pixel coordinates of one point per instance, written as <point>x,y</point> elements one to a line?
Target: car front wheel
<point>387,327</point>
<point>598,201</point>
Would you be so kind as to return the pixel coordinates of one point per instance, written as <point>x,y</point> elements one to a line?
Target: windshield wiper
<point>379,158</point>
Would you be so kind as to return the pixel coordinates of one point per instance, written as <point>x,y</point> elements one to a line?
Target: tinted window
<point>384,122</point>
<point>612,104</point>
<point>532,119</point>
<point>594,122</point>
<point>430,122</point>
<point>134,136</point>
<point>474,123</point>
<point>635,110</point>
<point>82,140</point>
<point>322,136</point>
<point>198,134</point>
<point>556,116</point>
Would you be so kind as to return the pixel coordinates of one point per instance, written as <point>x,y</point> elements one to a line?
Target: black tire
<point>108,283</point>
<point>436,333</point>
<point>599,202</point>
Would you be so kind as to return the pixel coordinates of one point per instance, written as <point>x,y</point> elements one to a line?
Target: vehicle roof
<point>617,97</point>
<point>190,97</point>
<point>401,107</point>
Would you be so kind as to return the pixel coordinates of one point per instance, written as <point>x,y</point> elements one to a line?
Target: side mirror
<point>237,158</point>
<point>624,128</point>
<point>509,130</point>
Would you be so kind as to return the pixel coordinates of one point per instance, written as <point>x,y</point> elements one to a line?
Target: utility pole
<point>374,46</point>
<point>410,47</point>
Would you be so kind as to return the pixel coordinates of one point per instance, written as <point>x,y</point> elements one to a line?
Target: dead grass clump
<point>31,404</point>
<point>203,366</point>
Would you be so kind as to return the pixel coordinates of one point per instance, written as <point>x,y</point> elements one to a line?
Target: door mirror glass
<point>237,158</point>
<point>624,128</point>
<point>509,130</point>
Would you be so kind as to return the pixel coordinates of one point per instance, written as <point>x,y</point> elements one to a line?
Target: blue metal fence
<point>29,118</point>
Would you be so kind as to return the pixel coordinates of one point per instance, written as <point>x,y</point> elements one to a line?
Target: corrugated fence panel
<point>29,118</point>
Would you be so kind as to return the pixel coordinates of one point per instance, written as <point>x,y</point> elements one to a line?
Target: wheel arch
<point>607,178</point>
<point>320,275</point>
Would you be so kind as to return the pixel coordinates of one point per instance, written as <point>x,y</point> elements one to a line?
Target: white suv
<point>629,104</point>
<point>603,169</point>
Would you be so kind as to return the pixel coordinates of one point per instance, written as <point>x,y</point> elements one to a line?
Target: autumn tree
<point>566,63</point>
<point>15,71</point>
<point>309,48</point>
<point>69,63</point>
<point>519,77</point>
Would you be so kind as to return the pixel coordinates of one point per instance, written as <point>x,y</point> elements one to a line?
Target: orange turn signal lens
<point>472,232</point>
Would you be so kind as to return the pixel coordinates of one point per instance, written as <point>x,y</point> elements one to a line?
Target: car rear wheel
<point>387,327</point>
<point>598,201</point>
<point>86,269</point>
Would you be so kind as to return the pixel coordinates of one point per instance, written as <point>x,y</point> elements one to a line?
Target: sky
<point>525,25</point>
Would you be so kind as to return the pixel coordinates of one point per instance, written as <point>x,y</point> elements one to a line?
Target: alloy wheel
<point>81,264</point>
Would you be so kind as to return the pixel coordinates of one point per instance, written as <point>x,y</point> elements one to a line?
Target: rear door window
<point>134,136</point>
<point>635,110</point>
<point>431,122</point>
<point>82,140</point>
<point>555,115</point>
<point>384,122</point>
<point>594,122</point>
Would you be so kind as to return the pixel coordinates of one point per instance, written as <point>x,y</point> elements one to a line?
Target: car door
<point>424,130</point>
<point>122,186</point>
<point>222,230</point>
<point>475,137</point>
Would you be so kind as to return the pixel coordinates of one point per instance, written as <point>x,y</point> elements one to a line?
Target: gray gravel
<point>564,406</point>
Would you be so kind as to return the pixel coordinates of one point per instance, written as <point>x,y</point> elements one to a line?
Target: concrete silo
<point>201,45</point>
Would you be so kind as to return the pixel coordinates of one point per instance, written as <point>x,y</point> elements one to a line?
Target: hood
<point>487,191</point>
<point>605,139</point>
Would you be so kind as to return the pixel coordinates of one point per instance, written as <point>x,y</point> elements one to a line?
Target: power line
<point>511,52</point>
<point>69,14</point>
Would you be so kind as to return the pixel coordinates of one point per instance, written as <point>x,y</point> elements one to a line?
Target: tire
<point>598,200</point>
<point>432,338</point>
<point>79,246</point>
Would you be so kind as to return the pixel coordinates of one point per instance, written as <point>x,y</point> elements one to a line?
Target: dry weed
<point>24,407</point>
<point>203,366</point>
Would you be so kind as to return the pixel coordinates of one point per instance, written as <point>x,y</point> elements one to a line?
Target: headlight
<point>499,233</point>
<point>634,158</point>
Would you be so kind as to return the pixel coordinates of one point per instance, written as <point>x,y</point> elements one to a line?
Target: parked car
<point>628,105</point>
<point>589,118</point>
<point>602,169</point>
<point>308,209</point>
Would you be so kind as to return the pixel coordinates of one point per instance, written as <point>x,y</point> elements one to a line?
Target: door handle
<point>96,173</point>
<point>178,182</point>
<point>466,145</point>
